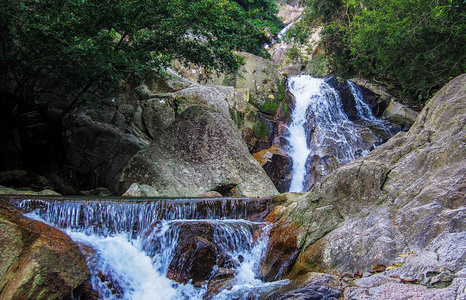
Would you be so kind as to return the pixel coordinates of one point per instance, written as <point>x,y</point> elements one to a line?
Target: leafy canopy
<point>83,47</point>
<point>415,46</point>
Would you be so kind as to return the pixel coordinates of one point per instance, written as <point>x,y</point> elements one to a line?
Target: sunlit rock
<point>402,206</point>
<point>202,151</point>
<point>37,261</point>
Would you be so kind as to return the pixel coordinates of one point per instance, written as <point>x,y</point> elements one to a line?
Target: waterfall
<point>304,91</point>
<point>364,111</point>
<point>130,244</point>
<point>321,136</point>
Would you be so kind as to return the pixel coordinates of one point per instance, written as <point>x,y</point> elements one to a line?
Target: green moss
<point>238,118</point>
<point>177,103</point>
<point>261,130</point>
<point>286,108</point>
<point>270,107</point>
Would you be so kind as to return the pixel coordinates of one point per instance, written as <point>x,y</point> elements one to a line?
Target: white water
<point>130,270</point>
<point>304,88</point>
<point>321,128</point>
<point>129,264</point>
<point>364,111</point>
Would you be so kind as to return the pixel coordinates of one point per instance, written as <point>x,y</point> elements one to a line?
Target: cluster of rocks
<point>389,224</point>
<point>397,214</point>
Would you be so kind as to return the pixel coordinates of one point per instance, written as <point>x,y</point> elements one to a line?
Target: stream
<point>133,244</point>
<point>321,136</point>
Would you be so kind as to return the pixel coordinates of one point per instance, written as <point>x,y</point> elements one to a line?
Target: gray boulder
<point>98,151</point>
<point>400,209</point>
<point>201,151</point>
<point>37,261</point>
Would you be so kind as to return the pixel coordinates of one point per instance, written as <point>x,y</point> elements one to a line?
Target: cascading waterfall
<point>321,136</point>
<point>131,243</point>
<point>364,111</point>
<point>299,150</point>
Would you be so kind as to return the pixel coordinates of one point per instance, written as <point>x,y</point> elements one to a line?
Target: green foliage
<point>411,43</point>
<point>73,48</point>
<point>294,54</point>
<point>177,103</point>
<point>264,15</point>
<point>316,12</point>
<point>415,46</point>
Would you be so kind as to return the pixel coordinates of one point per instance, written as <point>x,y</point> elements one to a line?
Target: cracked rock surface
<point>400,210</point>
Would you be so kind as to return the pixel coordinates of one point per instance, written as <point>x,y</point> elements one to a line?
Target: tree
<point>76,49</point>
<point>414,46</point>
<point>264,15</point>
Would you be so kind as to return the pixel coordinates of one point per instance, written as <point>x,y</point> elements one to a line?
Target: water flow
<point>321,136</point>
<point>364,111</point>
<point>130,245</point>
<point>304,89</point>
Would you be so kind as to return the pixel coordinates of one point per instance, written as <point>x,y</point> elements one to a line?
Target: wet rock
<point>317,168</point>
<point>226,262</point>
<point>283,246</point>
<point>199,152</point>
<point>386,105</point>
<point>402,205</point>
<point>346,97</point>
<point>277,164</point>
<point>190,231</point>
<point>194,261</point>
<point>210,194</point>
<point>399,114</point>
<point>313,286</point>
<point>37,261</point>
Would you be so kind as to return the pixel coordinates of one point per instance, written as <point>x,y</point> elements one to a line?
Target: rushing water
<point>130,244</point>
<point>321,136</point>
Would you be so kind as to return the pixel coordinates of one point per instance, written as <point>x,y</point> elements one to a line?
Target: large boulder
<point>223,98</point>
<point>257,77</point>
<point>194,261</point>
<point>97,151</point>
<point>37,261</point>
<point>202,151</point>
<point>401,209</point>
<point>392,110</point>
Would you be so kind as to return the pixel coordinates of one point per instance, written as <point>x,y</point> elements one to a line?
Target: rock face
<point>402,206</point>
<point>37,261</point>
<point>98,148</point>
<point>277,164</point>
<point>257,75</point>
<point>202,151</point>
<point>392,111</point>
<point>194,261</point>
<point>101,139</point>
